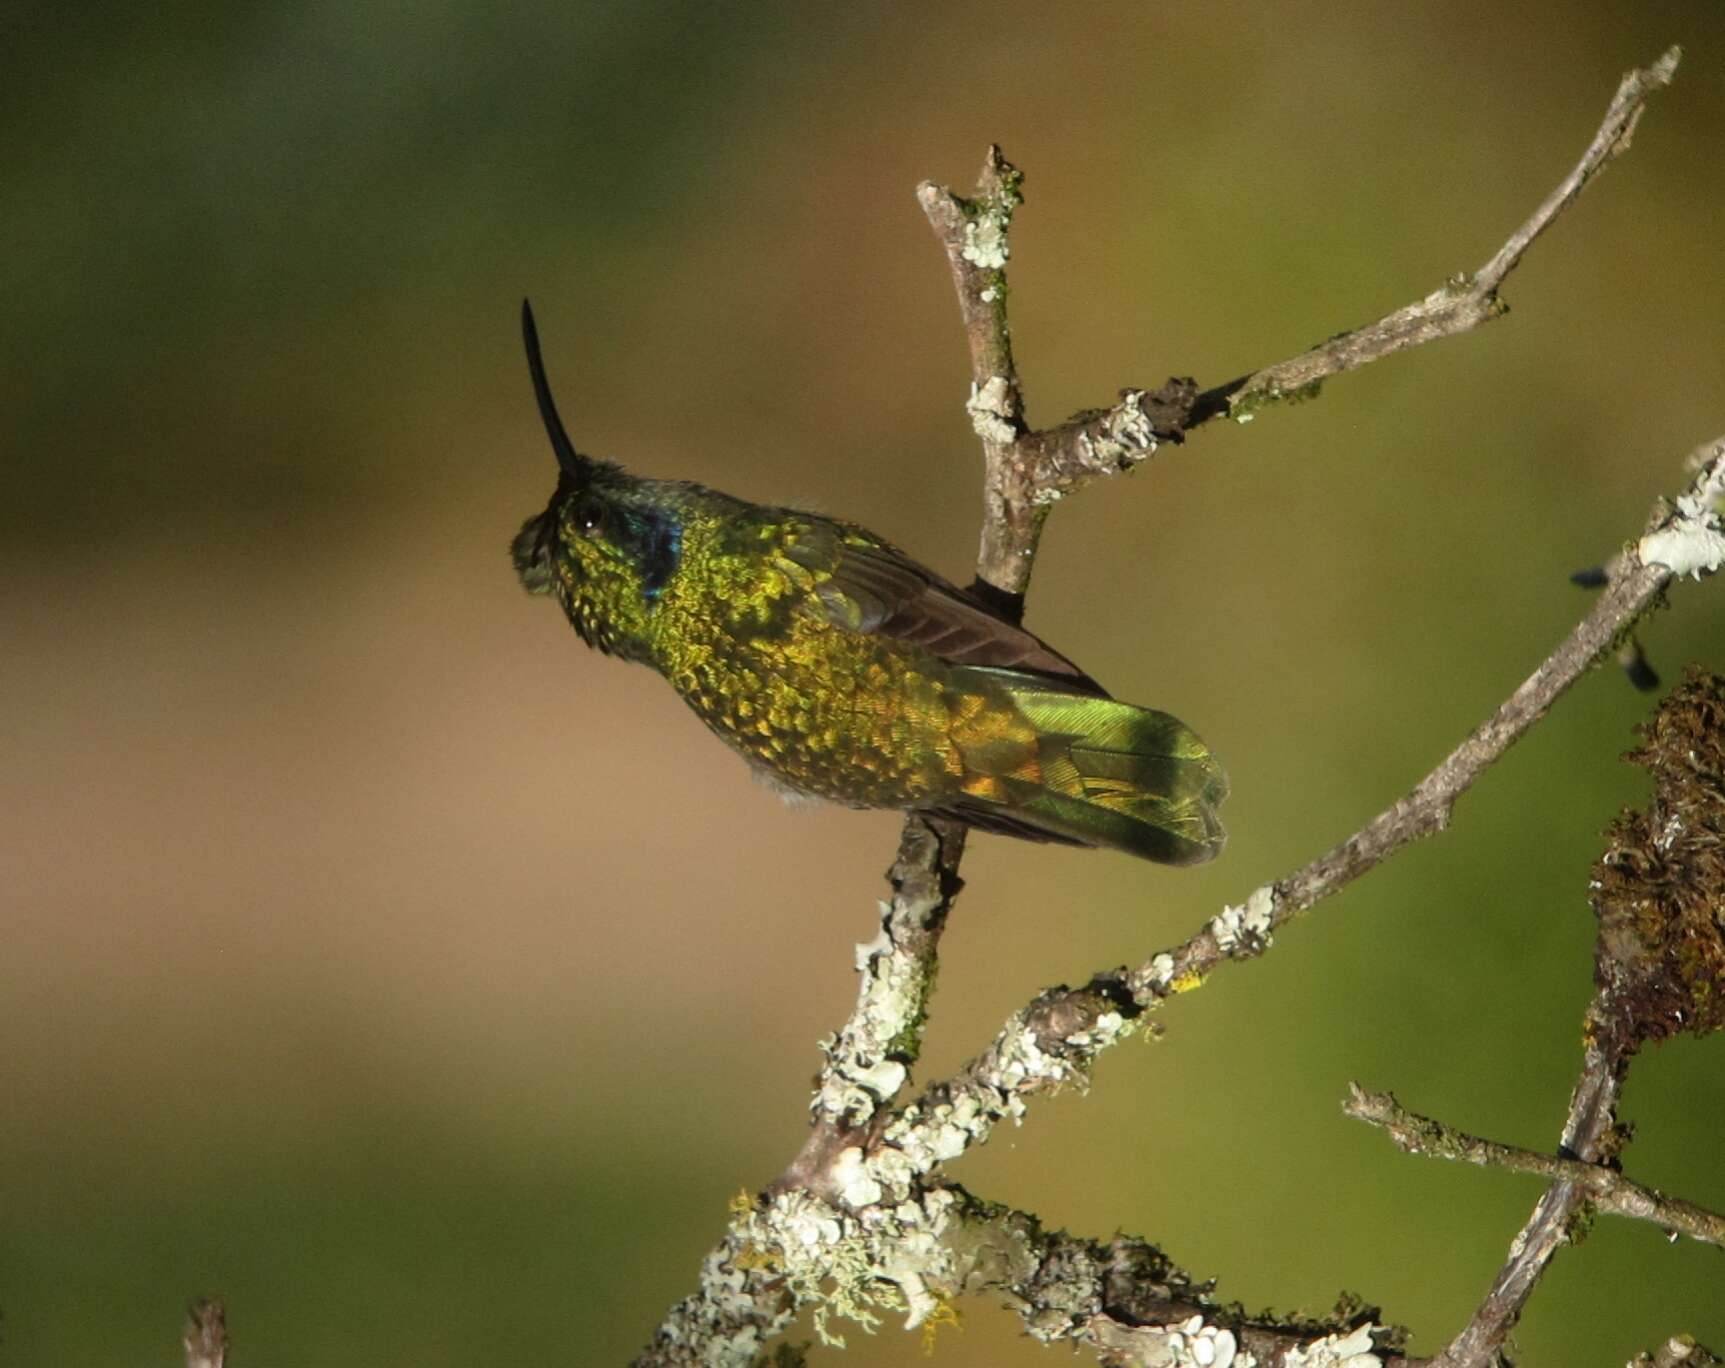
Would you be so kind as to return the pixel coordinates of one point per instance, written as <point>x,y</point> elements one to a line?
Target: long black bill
<point>569,461</point>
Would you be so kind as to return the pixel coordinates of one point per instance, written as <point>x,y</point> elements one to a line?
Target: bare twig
<point>1069,454</point>
<point>1608,143</point>
<point>206,1337</point>
<point>1605,1188</point>
<point>1586,1133</point>
<point>1459,304</point>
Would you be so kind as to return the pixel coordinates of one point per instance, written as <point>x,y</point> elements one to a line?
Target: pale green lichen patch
<point>824,1259</point>
<point>882,1079</point>
<point>851,1266</point>
<point>1193,1344</point>
<point>1352,1350</point>
<point>1247,927</point>
<point>863,1069</point>
<point>927,1136</point>
<point>855,1183</point>
<point>985,241</point>
<point>1108,1029</point>
<point>992,411</point>
<point>855,1082</point>
<point>915,1254</point>
<point>893,1172</point>
<point>731,1333</point>
<point>1024,1061</point>
<point>1693,544</point>
<point>987,222</point>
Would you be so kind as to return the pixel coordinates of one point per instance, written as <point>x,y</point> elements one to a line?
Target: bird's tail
<point>1098,773</point>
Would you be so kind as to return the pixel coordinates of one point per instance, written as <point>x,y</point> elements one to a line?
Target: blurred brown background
<point>373,954</point>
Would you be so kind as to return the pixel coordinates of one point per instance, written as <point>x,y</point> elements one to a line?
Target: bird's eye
<point>590,515</point>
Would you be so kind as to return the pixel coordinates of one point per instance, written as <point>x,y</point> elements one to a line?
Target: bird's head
<point>606,545</point>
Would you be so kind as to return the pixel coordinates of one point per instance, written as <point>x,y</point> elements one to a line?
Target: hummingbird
<point>841,669</point>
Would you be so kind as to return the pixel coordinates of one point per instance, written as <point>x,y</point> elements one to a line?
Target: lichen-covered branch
<point>1604,1188</point>
<point>1129,1303</point>
<point>870,1057</point>
<point>1686,538</point>
<point>1122,1298</point>
<point>740,1304</point>
<point>1110,441</point>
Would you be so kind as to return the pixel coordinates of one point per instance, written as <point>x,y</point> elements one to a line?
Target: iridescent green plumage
<point>844,670</point>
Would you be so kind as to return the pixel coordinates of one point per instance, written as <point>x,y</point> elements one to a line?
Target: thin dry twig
<point>1459,304</point>
<point>1068,453</point>
<point>1605,1188</point>
<point>1610,142</point>
<point>1587,1131</point>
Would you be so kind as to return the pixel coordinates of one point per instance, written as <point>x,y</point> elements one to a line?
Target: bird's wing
<point>862,584</point>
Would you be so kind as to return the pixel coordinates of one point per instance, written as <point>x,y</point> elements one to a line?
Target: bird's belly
<point>831,715</point>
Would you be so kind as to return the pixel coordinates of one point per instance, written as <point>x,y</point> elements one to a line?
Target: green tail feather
<point>1112,775</point>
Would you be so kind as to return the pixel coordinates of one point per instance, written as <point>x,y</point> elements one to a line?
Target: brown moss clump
<point>1659,889</point>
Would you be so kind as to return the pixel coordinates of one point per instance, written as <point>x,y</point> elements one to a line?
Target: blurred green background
<point>378,957</point>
